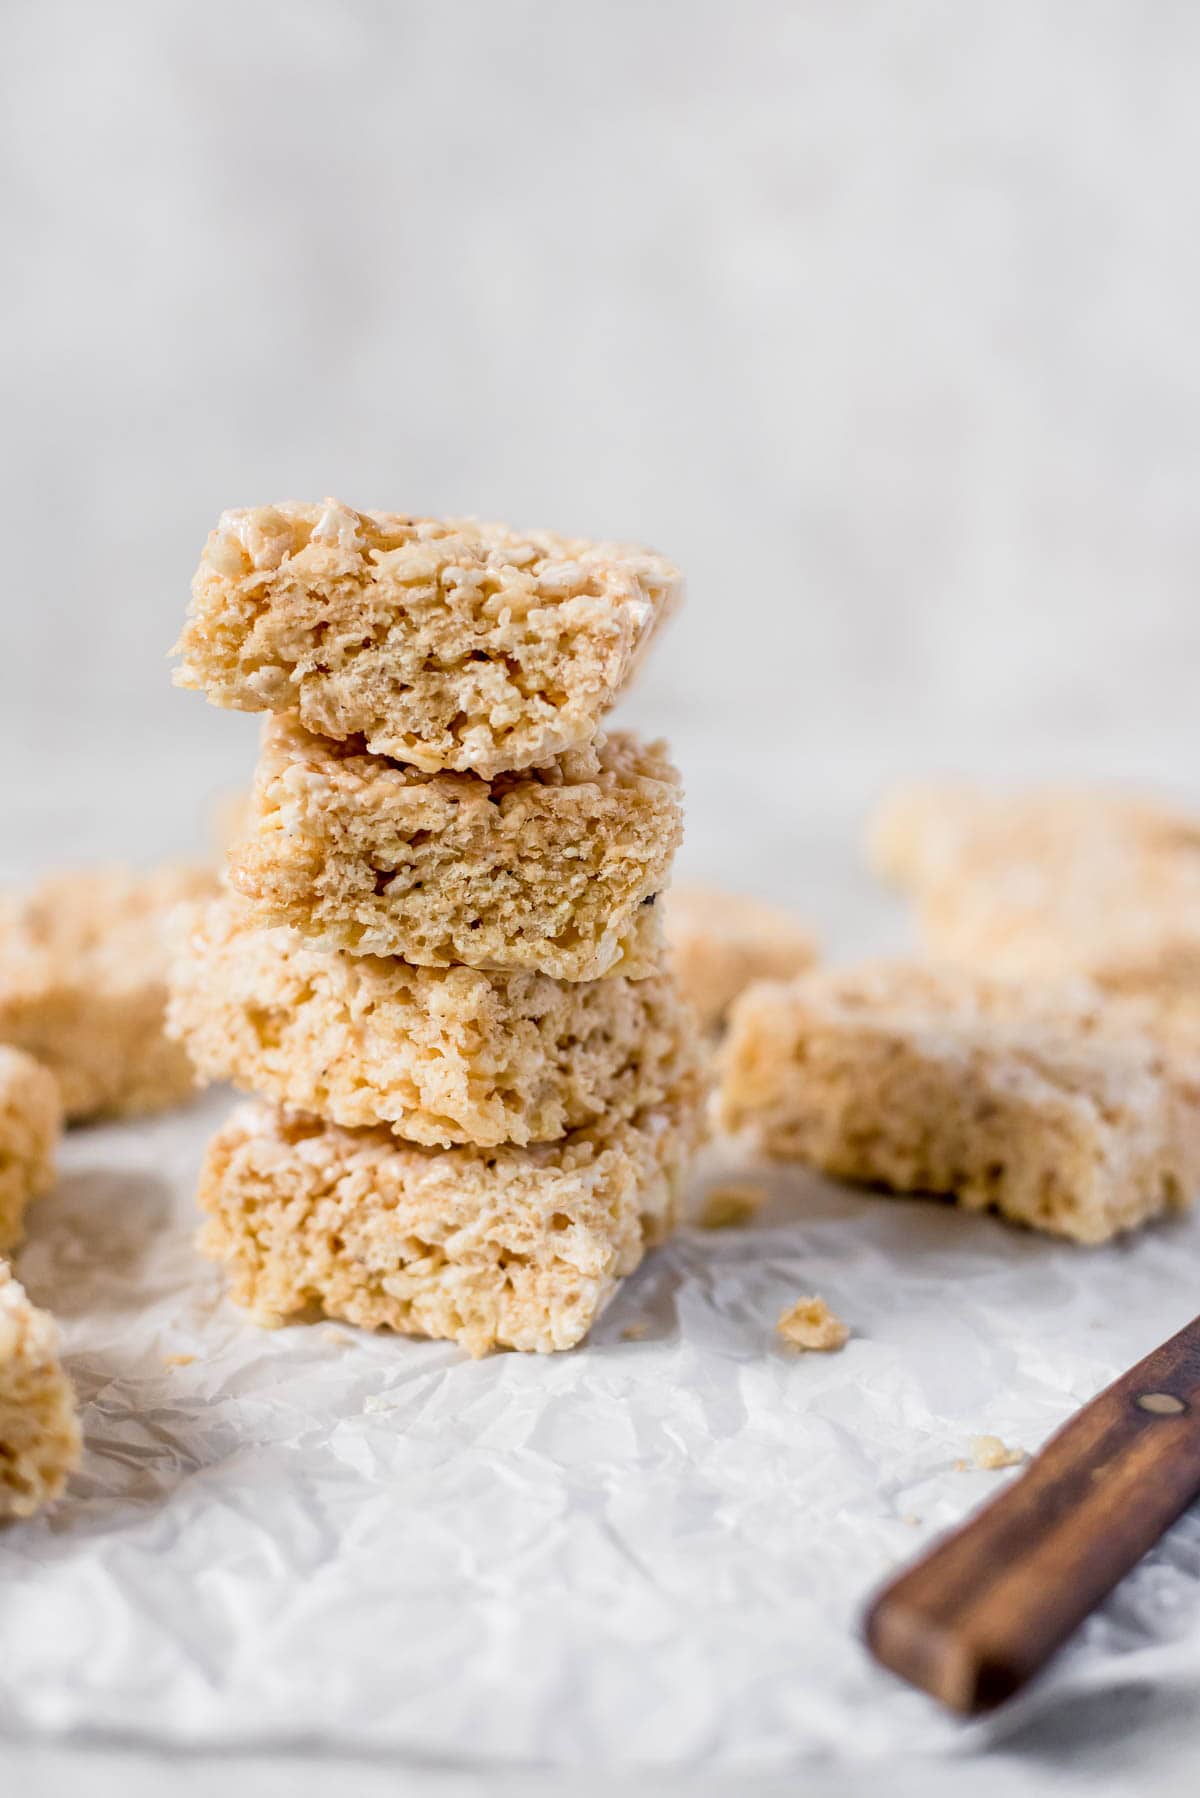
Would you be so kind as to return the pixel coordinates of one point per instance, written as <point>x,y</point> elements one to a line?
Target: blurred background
<point>883,320</point>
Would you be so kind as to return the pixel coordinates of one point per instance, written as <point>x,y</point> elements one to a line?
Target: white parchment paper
<point>655,1549</point>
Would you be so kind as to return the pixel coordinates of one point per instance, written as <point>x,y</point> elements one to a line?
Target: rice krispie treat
<point>1053,1107</point>
<point>505,1248</point>
<point>443,643</point>
<point>720,942</point>
<point>440,1055</point>
<point>40,1443</point>
<point>83,964</point>
<point>30,1124</point>
<point>555,869</point>
<point>1051,883</point>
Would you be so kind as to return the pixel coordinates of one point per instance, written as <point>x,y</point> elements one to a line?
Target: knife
<point>983,1612</point>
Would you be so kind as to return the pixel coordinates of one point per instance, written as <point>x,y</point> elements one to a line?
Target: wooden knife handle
<point>986,1608</point>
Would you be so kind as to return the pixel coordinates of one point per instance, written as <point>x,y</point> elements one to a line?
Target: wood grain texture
<point>984,1611</point>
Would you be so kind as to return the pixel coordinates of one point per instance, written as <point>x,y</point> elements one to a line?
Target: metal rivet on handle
<point>1162,1404</point>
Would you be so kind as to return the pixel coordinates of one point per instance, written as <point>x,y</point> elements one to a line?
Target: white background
<point>881,319</point>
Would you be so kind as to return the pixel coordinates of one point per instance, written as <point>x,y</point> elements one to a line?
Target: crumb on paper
<point>178,1360</point>
<point>265,1320</point>
<point>810,1324</point>
<point>989,1452</point>
<point>725,1207</point>
<point>636,1331</point>
<point>337,1337</point>
<point>914,1523</point>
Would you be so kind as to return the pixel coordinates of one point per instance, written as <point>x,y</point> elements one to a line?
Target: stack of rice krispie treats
<point>439,960</point>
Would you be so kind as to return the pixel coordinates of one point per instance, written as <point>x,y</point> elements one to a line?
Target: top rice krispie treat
<point>1055,1106</point>
<point>554,869</point>
<point>83,985</point>
<point>721,942</point>
<point>1051,883</point>
<point>442,643</point>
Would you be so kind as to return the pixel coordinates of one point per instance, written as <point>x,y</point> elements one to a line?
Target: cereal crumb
<point>178,1360</point>
<point>989,1452</point>
<point>337,1337</point>
<point>810,1324</point>
<point>961,1466</point>
<point>635,1332</point>
<point>725,1207</point>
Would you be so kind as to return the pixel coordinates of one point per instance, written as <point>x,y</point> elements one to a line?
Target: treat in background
<point>1055,1107</point>
<point>442,643</point>
<point>40,1442</point>
<point>30,1126</point>
<point>556,869</point>
<point>83,967</point>
<point>1051,883</point>
<point>721,942</point>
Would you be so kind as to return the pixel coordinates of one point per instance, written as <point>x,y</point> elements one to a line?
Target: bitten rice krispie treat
<point>440,1055</point>
<point>40,1442</point>
<point>443,643</point>
<point>721,942</point>
<point>1054,1107</point>
<point>556,869</point>
<point>30,1123</point>
<point>83,964</point>
<point>1051,883</point>
<point>507,1248</point>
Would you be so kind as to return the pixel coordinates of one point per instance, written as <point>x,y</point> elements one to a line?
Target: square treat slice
<point>30,1124</point>
<point>443,643</point>
<point>1048,1105</point>
<point>39,1427</point>
<point>504,1248</point>
<point>1051,883</point>
<point>554,869</point>
<point>83,985</point>
<point>440,1055</point>
<point>719,942</point>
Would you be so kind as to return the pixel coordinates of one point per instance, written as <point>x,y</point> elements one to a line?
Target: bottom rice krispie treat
<point>30,1123</point>
<point>83,964</point>
<point>39,1427</point>
<point>1054,1108</point>
<point>721,942</point>
<point>439,1055</point>
<point>509,1248</point>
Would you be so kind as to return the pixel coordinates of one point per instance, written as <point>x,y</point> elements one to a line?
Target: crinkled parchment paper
<point>654,1549</point>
